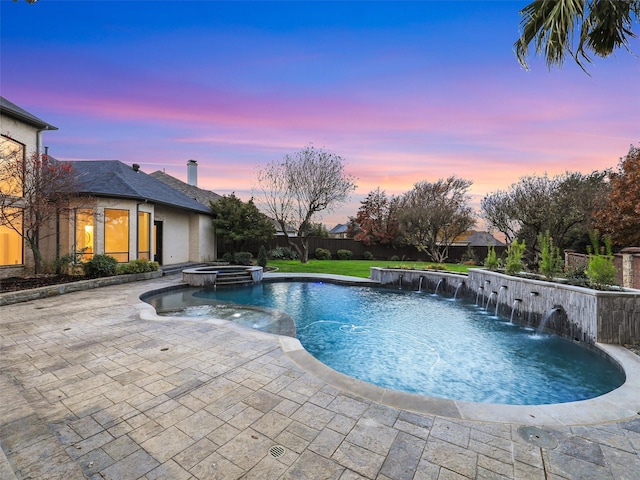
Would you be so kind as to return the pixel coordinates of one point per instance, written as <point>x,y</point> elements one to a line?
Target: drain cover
<point>538,437</point>
<point>277,451</point>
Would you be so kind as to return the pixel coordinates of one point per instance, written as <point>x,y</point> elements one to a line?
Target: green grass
<point>354,268</point>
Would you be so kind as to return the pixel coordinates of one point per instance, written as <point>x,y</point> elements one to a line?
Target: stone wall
<point>580,314</point>
<point>626,263</point>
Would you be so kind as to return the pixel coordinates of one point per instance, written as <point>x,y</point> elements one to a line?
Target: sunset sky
<point>403,91</point>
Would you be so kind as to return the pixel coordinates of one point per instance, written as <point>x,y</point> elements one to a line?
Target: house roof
<point>12,110</point>
<point>339,228</point>
<point>112,178</point>
<point>482,239</point>
<point>198,194</point>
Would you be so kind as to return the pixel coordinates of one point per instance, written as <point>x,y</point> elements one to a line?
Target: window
<point>144,235</point>
<point>11,153</point>
<point>116,234</point>
<point>84,233</point>
<point>11,243</point>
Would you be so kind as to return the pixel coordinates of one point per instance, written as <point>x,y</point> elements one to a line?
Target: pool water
<point>414,342</point>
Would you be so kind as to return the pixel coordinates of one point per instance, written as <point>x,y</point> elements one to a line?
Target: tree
<point>563,205</point>
<point>620,214</point>
<point>296,190</point>
<point>34,191</point>
<point>575,27</point>
<point>377,219</point>
<point>318,229</point>
<point>239,222</point>
<point>434,215</point>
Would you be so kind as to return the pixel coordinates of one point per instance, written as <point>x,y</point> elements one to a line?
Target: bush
<point>242,258</point>
<point>367,255</point>
<point>491,262</point>
<point>283,253</point>
<point>394,258</point>
<point>262,256</point>
<point>601,271</point>
<point>227,257</point>
<point>100,266</point>
<point>344,254</point>
<point>469,256</point>
<point>550,261</point>
<point>515,251</point>
<point>323,254</point>
<point>139,265</point>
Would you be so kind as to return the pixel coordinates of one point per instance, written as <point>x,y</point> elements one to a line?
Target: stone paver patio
<point>92,386</point>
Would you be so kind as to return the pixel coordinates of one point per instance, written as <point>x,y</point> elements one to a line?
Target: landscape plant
<point>550,262</point>
<point>262,257</point>
<point>322,254</point>
<point>515,252</point>
<point>344,254</point>
<point>600,271</point>
<point>100,266</point>
<point>491,260</point>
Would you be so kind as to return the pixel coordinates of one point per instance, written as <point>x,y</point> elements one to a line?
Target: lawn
<point>354,268</point>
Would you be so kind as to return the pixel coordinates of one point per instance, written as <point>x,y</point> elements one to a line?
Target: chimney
<point>192,173</point>
<point>135,167</point>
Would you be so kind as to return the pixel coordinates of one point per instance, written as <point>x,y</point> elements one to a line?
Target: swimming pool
<point>409,341</point>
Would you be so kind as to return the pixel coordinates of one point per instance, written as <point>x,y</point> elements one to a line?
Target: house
<point>118,210</point>
<point>20,134</point>
<point>339,231</point>
<point>125,213</point>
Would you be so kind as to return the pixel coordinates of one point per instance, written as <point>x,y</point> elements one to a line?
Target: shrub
<point>262,256</point>
<point>367,255</point>
<point>139,265</point>
<point>469,256</point>
<point>323,254</point>
<point>435,266</point>
<point>491,262</point>
<point>550,261</point>
<point>394,258</point>
<point>601,271</point>
<point>515,251</point>
<point>227,257</point>
<point>344,254</point>
<point>242,258</point>
<point>100,266</point>
<point>282,253</point>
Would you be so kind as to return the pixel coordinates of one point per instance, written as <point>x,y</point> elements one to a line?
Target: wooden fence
<point>379,252</point>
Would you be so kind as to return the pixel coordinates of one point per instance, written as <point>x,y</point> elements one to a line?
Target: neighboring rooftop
<point>112,178</point>
<point>12,110</point>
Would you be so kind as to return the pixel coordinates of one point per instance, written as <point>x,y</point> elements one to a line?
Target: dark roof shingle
<point>12,110</point>
<point>112,178</point>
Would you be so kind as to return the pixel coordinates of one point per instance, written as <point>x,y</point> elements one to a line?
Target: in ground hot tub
<point>222,275</point>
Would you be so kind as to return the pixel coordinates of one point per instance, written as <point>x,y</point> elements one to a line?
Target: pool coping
<point>620,404</point>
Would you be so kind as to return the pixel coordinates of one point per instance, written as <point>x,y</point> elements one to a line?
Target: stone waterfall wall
<point>584,315</point>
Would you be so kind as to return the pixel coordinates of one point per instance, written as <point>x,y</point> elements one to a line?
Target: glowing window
<point>84,233</point>
<point>11,243</point>
<point>144,235</point>
<point>11,154</point>
<point>116,234</point>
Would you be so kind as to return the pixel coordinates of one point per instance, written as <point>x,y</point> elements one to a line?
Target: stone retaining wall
<point>580,314</point>
<point>53,290</point>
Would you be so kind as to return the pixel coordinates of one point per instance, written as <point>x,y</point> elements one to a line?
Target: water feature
<point>532,296</point>
<point>455,295</point>
<point>545,320</point>
<point>514,309</point>
<point>478,294</point>
<point>400,340</point>
<point>500,290</point>
<point>438,286</point>
<point>400,281</point>
<point>420,284</point>
<point>492,295</point>
<point>487,283</point>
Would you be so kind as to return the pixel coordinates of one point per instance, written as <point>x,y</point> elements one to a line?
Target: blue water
<point>416,342</point>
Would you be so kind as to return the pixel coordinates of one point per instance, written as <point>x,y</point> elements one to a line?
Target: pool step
<point>233,278</point>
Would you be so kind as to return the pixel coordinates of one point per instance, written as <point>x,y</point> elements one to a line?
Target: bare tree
<point>34,190</point>
<point>301,186</point>
<point>434,215</point>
